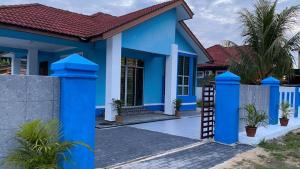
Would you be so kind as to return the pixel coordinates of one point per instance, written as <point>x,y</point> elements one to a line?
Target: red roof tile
<point>49,19</point>
<point>222,56</point>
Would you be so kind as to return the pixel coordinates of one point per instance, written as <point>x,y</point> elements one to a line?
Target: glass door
<point>132,82</point>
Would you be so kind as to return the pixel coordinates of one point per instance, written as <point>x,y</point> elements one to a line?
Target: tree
<point>265,33</point>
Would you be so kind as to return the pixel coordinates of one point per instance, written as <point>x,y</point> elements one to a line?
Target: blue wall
<point>183,45</point>
<point>155,35</point>
<point>154,79</point>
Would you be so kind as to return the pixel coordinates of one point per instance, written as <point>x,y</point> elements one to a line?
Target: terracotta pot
<point>177,113</point>
<point>284,121</point>
<point>119,119</point>
<point>251,131</point>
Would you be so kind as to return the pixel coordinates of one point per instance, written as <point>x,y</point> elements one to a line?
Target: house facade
<point>146,58</point>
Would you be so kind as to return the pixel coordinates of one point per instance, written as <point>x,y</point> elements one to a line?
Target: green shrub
<point>199,103</point>
<point>38,147</point>
<point>118,106</point>
<point>254,117</point>
<point>177,104</point>
<point>285,112</point>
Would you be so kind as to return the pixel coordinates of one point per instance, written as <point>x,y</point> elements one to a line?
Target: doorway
<point>132,82</point>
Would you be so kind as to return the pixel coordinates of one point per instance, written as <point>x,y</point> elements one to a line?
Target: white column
<point>15,65</point>
<point>32,62</point>
<point>171,80</point>
<point>113,74</point>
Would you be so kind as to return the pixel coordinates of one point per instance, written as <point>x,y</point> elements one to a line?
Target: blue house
<point>146,58</point>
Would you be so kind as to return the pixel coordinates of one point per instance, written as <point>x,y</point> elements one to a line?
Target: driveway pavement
<point>116,145</point>
<point>160,145</point>
<point>188,127</point>
<point>200,157</point>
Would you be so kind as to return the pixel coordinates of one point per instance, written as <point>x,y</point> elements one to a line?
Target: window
<point>200,76</point>
<point>183,76</point>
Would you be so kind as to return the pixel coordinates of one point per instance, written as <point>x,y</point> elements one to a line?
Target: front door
<point>132,82</point>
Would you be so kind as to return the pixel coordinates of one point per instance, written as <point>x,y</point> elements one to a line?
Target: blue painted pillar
<point>274,99</point>
<point>77,107</point>
<point>227,108</point>
<point>297,101</point>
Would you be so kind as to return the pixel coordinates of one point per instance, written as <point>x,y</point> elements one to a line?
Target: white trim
<point>190,53</point>
<point>100,107</point>
<point>186,104</point>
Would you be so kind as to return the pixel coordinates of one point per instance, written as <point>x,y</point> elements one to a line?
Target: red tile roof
<point>222,56</point>
<point>44,18</point>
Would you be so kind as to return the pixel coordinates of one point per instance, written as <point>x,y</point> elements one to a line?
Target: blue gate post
<point>274,98</point>
<point>297,101</point>
<point>227,108</point>
<point>77,107</point>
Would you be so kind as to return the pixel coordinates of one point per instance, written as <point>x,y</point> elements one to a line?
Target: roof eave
<point>142,19</point>
<point>40,32</point>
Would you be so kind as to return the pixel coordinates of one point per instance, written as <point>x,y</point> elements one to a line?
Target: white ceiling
<point>27,44</point>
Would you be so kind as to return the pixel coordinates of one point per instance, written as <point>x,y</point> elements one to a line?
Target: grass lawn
<point>283,153</point>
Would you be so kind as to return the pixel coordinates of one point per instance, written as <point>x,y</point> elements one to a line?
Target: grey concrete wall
<point>22,99</point>
<point>253,94</point>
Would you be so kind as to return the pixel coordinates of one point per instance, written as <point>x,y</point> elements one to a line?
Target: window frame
<point>181,86</point>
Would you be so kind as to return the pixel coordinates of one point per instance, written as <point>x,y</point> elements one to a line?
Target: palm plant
<point>254,117</point>
<point>285,112</point>
<point>39,147</point>
<point>269,48</point>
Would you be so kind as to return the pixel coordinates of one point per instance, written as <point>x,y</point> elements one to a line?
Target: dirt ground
<point>282,153</point>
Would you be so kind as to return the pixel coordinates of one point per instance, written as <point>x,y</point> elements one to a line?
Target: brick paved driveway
<point>122,144</point>
<point>200,157</point>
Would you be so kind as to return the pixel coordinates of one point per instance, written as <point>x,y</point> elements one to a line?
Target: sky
<point>214,20</point>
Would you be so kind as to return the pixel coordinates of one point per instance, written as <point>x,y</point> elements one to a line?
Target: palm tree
<point>269,48</point>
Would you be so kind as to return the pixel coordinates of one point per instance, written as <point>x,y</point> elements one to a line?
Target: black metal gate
<point>208,111</point>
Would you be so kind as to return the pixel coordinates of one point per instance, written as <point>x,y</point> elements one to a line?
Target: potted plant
<point>253,118</point>
<point>285,113</point>
<point>177,105</point>
<point>118,106</point>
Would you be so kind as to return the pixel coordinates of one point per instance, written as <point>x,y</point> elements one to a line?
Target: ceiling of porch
<point>28,44</point>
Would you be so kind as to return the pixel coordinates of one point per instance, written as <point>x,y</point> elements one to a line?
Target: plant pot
<point>119,119</point>
<point>251,131</point>
<point>284,121</point>
<point>177,113</point>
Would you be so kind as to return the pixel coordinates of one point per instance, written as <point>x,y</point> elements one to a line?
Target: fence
<point>22,99</point>
<point>253,94</point>
<point>70,94</point>
<point>231,97</point>
<point>288,94</point>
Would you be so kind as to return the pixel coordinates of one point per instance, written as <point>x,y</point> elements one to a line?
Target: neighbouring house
<point>220,61</point>
<point>146,58</point>
<point>221,58</point>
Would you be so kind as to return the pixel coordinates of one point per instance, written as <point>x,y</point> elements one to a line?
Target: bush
<point>38,147</point>
<point>254,117</point>
<point>177,104</point>
<point>118,106</point>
